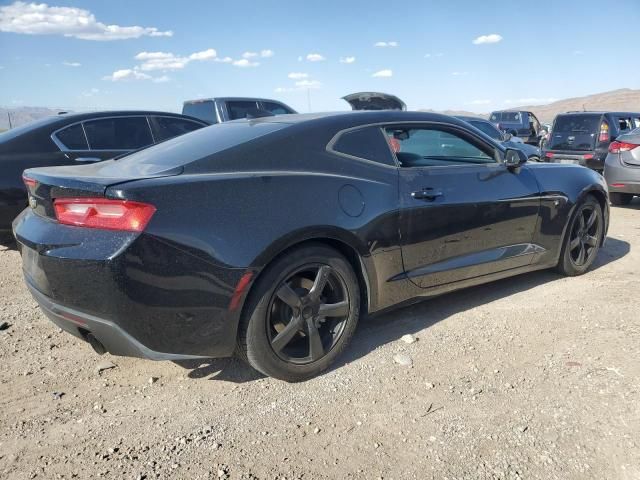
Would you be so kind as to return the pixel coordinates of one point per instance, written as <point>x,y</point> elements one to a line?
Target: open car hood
<point>374,101</point>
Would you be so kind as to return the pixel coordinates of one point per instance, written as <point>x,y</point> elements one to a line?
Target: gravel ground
<point>531,377</point>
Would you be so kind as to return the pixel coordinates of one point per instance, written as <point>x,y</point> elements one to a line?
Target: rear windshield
<point>577,124</point>
<point>204,110</point>
<point>513,117</point>
<point>180,151</point>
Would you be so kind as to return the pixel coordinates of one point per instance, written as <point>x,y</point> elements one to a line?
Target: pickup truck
<point>223,109</point>
<point>518,123</point>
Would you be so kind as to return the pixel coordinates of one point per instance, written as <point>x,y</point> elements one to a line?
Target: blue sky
<point>156,54</point>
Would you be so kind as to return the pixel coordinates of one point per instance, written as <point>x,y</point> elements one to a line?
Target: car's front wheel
<point>582,239</point>
<point>301,314</point>
<point>618,198</point>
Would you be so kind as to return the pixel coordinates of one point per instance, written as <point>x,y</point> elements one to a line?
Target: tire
<point>283,332</point>
<point>618,198</point>
<point>582,239</point>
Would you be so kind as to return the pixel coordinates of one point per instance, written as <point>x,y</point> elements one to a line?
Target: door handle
<point>88,159</point>
<point>426,194</point>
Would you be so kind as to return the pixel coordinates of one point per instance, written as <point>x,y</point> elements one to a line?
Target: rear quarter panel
<point>245,219</point>
<point>562,188</point>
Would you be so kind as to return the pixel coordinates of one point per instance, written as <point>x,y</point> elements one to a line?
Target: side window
<point>495,117</point>
<point>437,146</point>
<point>120,133</point>
<point>367,143</point>
<point>625,124</point>
<point>275,108</point>
<point>169,127</point>
<point>636,122</point>
<point>240,109</point>
<point>73,138</point>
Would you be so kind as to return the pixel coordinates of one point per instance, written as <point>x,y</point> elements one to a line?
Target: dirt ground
<point>531,377</point>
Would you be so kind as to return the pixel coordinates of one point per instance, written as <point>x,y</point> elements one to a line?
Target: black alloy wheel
<point>582,240</point>
<point>300,314</point>
<point>307,314</point>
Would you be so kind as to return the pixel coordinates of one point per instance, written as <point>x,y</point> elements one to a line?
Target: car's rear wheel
<point>301,314</point>
<point>582,240</point>
<point>618,198</point>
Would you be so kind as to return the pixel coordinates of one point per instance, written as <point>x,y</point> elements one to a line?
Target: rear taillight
<point>28,182</point>
<point>103,213</point>
<point>548,154</point>
<point>604,132</point>
<point>588,156</point>
<point>617,147</point>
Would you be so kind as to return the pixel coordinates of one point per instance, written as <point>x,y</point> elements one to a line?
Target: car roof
<point>235,99</point>
<point>468,118</point>
<point>598,112</point>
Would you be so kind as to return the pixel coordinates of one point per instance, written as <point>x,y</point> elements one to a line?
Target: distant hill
<point>22,115</point>
<point>624,99</point>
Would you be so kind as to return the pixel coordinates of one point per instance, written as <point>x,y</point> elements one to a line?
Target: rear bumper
<point>621,178</point>
<point>577,158</point>
<point>114,339</point>
<point>139,295</point>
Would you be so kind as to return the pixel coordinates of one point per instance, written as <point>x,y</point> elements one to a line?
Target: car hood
<point>374,101</point>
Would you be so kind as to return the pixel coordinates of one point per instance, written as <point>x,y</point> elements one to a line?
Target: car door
<point>112,136</point>
<point>462,212</point>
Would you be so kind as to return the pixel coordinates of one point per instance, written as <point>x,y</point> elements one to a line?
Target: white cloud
<point>300,58</point>
<point>72,64</point>
<point>459,74</point>
<point>315,57</point>
<point>347,59</point>
<point>485,39</point>
<point>308,84</point>
<point>127,74</point>
<point>223,60</point>
<point>298,75</point>
<point>41,19</point>
<point>169,61</point>
<point>383,73</point>
<point>244,63</point>
<point>90,93</point>
<point>204,55</point>
<point>386,44</point>
<point>480,102</point>
<point>262,54</point>
<point>578,52</point>
<point>162,79</point>
<point>432,55</point>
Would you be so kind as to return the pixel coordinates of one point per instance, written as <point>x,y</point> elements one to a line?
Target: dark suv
<point>583,137</point>
<point>519,123</point>
<point>224,109</point>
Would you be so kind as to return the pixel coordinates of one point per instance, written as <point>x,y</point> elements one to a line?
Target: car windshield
<point>577,123</point>
<point>487,128</point>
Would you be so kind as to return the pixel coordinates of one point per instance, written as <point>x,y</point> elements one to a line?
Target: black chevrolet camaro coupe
<point>270,237</point>
<point>77,138</point>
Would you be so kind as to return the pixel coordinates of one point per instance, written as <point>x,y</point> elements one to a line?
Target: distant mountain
<point>624,99</point>
<point>21,115</point>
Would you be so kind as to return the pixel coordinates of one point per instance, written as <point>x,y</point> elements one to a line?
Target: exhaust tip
<point>98,347</point>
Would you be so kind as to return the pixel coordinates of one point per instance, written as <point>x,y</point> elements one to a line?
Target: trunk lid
<point>577,132</point>
<point>374,101</point>
<point>85,181</point>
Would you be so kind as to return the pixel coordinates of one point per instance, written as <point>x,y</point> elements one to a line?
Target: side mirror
<point>514,159</point>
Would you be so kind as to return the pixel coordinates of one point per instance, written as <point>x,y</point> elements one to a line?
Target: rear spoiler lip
<point>78,186</point>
